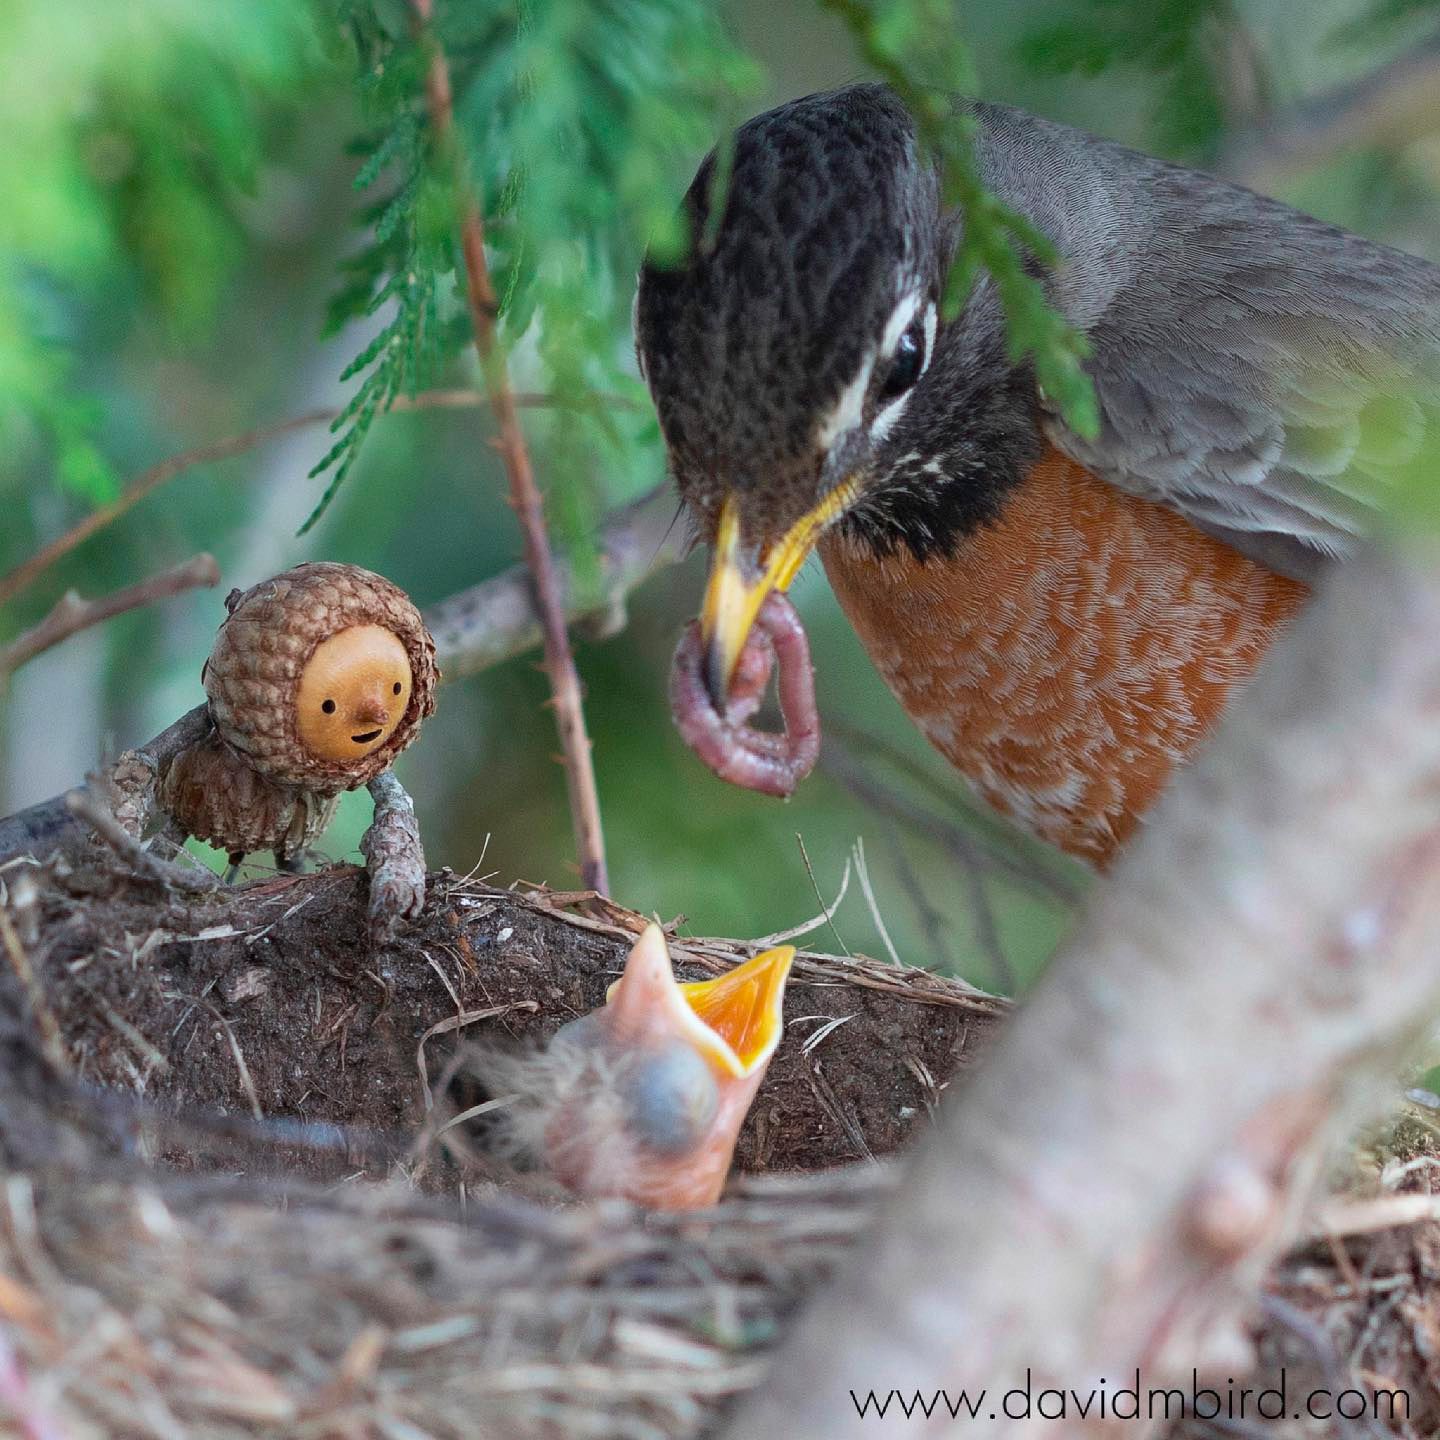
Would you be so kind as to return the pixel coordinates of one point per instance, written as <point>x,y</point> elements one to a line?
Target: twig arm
<point>85,806</point>
<point>394,856</point>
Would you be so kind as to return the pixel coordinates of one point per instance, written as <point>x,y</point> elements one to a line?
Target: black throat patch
<point>959,453</point>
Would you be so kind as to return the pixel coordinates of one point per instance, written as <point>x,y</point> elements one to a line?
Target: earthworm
<point>773,764</point>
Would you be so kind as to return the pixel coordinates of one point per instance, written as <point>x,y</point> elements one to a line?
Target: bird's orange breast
<point>1071,653</point>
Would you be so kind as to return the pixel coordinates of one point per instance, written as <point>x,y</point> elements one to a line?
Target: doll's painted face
<point>353,692</point>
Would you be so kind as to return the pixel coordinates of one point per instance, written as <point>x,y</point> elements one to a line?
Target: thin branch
<point>72,614</point>
<point>565,691</point>
<point>954,837</point>
<point>956,842</point>
<point>1392,105</point>
<point>147,481</point>
<point>52,1041</point>
<point>497,618</point>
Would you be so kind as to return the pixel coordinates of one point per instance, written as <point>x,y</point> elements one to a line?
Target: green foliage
<point>1169,39</point>
<point>129,131</point>
<point>912,44</point>
<point>1383,18</point>
<point>578,121</point>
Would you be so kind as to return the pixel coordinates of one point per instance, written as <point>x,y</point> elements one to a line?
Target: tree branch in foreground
<point>565,694</point>
<point>1260,966</point>
<point>72,614</point>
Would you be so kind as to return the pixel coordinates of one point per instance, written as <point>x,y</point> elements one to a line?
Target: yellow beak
<point>733,598</point>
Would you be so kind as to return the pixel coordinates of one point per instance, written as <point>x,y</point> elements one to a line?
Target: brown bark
<point>1258,969</point>
<point>565,693</point>
<point>71,614</point>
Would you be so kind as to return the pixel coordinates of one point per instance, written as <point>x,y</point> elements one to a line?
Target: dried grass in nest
<point>135,1300</point>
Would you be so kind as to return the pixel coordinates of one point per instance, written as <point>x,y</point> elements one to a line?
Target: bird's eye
<point>328,707</point>
<point>905,364</point>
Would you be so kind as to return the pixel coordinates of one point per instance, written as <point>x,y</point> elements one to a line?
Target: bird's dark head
<point>791,351</point>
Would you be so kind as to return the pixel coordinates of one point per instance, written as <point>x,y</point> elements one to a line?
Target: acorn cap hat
<point>262,649</point>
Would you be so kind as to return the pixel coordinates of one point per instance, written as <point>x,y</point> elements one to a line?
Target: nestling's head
<point>644,1098</point>
<point>798,361</point>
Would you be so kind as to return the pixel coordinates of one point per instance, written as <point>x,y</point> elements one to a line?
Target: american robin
<point>1063,617</point>
<point>644,1098</point>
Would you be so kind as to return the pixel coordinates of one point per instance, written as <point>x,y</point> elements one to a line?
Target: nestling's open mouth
<point>366,738</point>
<point>743,1007</point>
<point>734,1021</point>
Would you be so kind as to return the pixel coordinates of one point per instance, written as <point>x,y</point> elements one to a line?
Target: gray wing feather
<point>1267,375</point>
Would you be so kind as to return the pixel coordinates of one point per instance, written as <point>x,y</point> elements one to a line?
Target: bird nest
<point>246,1194</point>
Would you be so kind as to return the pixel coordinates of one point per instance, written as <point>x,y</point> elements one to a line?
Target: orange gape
<point>1069,655</point>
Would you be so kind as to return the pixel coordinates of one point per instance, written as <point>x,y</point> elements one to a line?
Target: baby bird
<point>644,1098</point>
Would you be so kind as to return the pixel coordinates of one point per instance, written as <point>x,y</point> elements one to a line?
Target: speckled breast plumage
<point>1068,656</point>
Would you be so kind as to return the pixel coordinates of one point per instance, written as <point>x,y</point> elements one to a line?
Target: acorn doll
<point>318,679</point>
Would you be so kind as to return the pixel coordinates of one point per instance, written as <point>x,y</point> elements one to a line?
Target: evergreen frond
<point>1172,40</point>
<point>912,44</point>
<point>580,124</point>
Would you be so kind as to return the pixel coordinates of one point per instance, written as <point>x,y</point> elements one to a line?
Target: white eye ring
<point>891,412</point>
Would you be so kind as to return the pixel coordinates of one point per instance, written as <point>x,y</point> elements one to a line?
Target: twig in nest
<point>51,1040</point>
<point>565,691</point>
<point>72,614</point>
<point>84,806</point>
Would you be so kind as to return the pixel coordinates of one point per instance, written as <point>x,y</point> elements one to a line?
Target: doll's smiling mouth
<point>366,738</point>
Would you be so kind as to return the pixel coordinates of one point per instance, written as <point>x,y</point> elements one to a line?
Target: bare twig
<point>72,614</point>
<point>565,691</point>
<point>1392,105</point>
<point>955,837</point>
<point>84,806</point>
<point>161,473</point>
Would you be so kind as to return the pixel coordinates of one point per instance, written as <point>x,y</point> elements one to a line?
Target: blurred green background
<point>179,197</point>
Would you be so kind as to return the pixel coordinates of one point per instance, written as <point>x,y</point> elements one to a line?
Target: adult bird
<point>1064,617</point>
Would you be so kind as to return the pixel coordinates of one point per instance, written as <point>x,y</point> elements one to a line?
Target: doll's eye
<point>396,688</point>
<point>328,707</point>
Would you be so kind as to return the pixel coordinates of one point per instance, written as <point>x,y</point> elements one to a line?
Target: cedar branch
<point>524,495</point>
<point>163,471</point>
